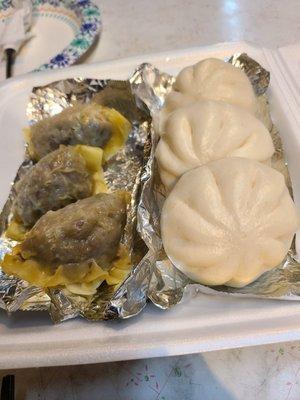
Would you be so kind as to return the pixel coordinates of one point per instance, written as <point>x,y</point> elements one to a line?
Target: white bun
<point>228,222</point>
<point>207,131</point>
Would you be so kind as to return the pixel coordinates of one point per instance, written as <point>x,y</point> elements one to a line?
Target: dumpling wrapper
<point>210,79</point>
<point>77,244</point>
<point>209,130</point>
<point>62,177</point>
<point>84,283</point>
<point>89,124</point>
<point>228,222</point>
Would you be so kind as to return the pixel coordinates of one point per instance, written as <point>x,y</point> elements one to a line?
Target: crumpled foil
<point>134,168</point>
<point>168,285</point>
<point>123,171</point>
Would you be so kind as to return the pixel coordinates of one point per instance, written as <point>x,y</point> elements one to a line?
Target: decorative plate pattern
<point>82,15</point>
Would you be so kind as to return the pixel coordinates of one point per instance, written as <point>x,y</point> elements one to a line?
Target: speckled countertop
<point>262,373</point>
<point>270,372</point>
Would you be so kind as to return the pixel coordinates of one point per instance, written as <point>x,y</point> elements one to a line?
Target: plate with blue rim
<point>62,32</point>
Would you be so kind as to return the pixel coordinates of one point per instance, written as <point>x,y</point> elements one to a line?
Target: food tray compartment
<point>202,323</point>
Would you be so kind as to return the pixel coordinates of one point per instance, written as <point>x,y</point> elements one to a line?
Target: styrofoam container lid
<point>202,323</point>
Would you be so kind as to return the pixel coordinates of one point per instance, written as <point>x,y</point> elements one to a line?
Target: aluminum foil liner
<point>123,171</point>
<point>168,285</point>
<point>134,169</point>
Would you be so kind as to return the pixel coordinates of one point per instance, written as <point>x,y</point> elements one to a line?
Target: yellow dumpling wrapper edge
<point>120,268</point>
<point>15,231</point>
<point>119,271</point>
<point>120,130</point>
<point>84,289</point>
<point>40,275</point>
<point>93,157</point>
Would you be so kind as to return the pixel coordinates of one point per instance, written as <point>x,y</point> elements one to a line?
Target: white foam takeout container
<point>201,324</point>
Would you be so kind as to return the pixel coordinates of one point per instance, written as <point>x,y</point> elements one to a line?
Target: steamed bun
<point>207,131</point>
<point>214,79</point>
<point>228,222</point>
<point>211,79</point>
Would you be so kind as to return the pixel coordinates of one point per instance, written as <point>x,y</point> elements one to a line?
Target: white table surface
<point>134,27</point>
<point>270,372</point>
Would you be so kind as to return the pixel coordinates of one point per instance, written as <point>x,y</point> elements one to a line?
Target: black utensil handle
<point>10,58</point>
<point>8,388</point>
